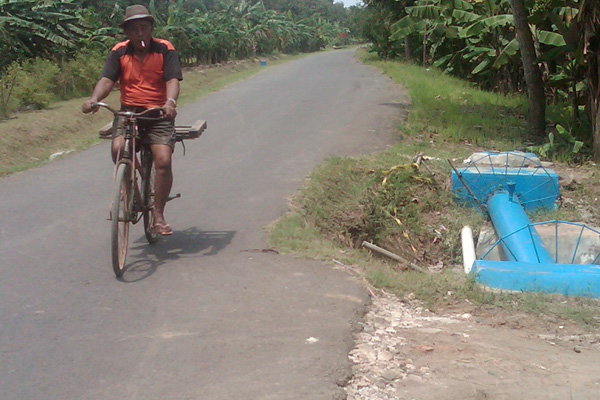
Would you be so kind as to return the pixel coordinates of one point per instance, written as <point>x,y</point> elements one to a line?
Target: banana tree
<point>432,22</point>
<point>463,37</point>
<point>34,28</point>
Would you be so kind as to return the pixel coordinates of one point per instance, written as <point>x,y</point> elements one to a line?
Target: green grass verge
<point>456,111</point>
<point>386,200</point>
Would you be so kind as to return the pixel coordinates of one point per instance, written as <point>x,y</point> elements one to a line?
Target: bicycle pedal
<point>178,195</point>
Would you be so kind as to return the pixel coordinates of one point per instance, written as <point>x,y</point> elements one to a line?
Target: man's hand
<point>102,89</point>
<point>88,106</point>
<point>170,111</point>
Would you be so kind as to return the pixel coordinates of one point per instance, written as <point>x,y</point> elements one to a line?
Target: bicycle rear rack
<point>182,132</point>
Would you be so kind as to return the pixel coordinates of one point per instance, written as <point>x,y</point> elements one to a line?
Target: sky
<point>348,3</point>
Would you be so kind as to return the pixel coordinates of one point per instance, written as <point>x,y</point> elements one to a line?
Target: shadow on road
<point>145,259</point>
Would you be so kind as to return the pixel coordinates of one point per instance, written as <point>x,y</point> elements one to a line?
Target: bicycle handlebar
<point>131,114</point>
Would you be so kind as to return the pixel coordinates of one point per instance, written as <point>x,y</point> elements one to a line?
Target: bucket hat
<point>137,11</point>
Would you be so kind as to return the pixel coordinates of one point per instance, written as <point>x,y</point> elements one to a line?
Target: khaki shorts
<point>151,132</point>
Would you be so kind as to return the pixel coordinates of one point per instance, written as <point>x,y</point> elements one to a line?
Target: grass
<point>456,111</point>
<point>410,210</point>
<point>28,139</point>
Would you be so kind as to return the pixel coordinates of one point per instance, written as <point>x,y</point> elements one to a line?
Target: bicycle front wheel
<point>148,188</point>
<point>121,217</point>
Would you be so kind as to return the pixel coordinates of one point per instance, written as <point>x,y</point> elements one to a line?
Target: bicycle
<point>133,196</point>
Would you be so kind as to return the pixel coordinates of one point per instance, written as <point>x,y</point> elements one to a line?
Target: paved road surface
<point>202,314</point>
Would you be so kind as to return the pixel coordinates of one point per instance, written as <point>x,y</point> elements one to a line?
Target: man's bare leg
<point>117,147</point>
<point>162,184</point>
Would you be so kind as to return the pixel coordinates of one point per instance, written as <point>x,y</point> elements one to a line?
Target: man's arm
<point>102,89</point>
<point>172,95</point>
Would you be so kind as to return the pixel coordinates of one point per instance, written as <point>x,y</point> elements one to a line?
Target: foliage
<point>7,85</point>
<point>554,148</point>
<point>476,40</point>
<point>79,75</point>
<point>74,36</point>
<point>35,83</point>
<point>393,205</point>
<point>377,20</point>
<point>588,25</point>
<point>37,28</point>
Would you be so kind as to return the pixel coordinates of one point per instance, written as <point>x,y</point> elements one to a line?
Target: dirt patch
<point>468,352</point>
<point>580,194</point>
<point>406,352</point>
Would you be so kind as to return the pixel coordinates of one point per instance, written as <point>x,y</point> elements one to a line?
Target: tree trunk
<point>588,20</point>
<point>596,127</point>
<point>407,49</point>
<point>594,100</point>
<point>536,119</point>
<point>425,45</point>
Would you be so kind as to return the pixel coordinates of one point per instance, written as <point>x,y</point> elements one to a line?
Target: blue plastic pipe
<point>519,239</point>
<point>568,280</point>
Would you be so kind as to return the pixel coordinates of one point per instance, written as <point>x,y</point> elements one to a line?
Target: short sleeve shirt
<point>143,84</point>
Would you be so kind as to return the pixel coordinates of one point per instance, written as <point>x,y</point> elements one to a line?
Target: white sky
<point>348,3</point>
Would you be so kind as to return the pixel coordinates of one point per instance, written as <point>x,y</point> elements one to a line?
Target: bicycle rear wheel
<point>121,217</point>
<point>148,196</point>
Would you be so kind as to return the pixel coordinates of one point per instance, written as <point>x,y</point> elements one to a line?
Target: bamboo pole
<point>393,256</point>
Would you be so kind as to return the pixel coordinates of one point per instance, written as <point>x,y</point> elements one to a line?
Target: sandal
<point>163,229</point>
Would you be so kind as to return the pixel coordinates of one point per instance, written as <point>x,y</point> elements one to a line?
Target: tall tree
<point>589,23</point>
<point>536,118</point>
<point>377,20</point>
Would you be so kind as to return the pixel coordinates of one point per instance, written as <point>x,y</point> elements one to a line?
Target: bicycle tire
<point>121,217</point>
<point>148,196</point>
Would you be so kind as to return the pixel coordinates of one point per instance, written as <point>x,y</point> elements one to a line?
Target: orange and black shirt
<point>143,84</point>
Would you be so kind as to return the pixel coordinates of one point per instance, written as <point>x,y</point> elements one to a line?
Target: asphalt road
<point>203,314</point>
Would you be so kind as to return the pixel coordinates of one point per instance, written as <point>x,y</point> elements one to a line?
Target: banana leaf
<point>551,38</point>
<point>424,12</point>
<point>406,27</point>
<point>486,24</point>
<point>482,66</point>
<point>461,16</point>
<point>510,50</point>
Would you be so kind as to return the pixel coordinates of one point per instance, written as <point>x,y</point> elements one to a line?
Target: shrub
<point>79,75</point>
<point>34,84</point>
<point>8,80</point>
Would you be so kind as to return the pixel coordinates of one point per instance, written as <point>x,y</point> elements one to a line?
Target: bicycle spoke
<point>121,218</point>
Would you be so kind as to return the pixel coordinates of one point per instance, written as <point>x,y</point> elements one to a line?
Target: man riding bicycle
<point>148,71</point>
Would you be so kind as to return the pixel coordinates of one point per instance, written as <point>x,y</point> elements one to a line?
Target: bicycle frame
<point>130,149</point>
<point>131,137</point>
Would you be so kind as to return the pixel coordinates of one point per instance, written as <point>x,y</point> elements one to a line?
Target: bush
<point>34,84</point>
<point>8,80</point>
<point>79,75</point>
